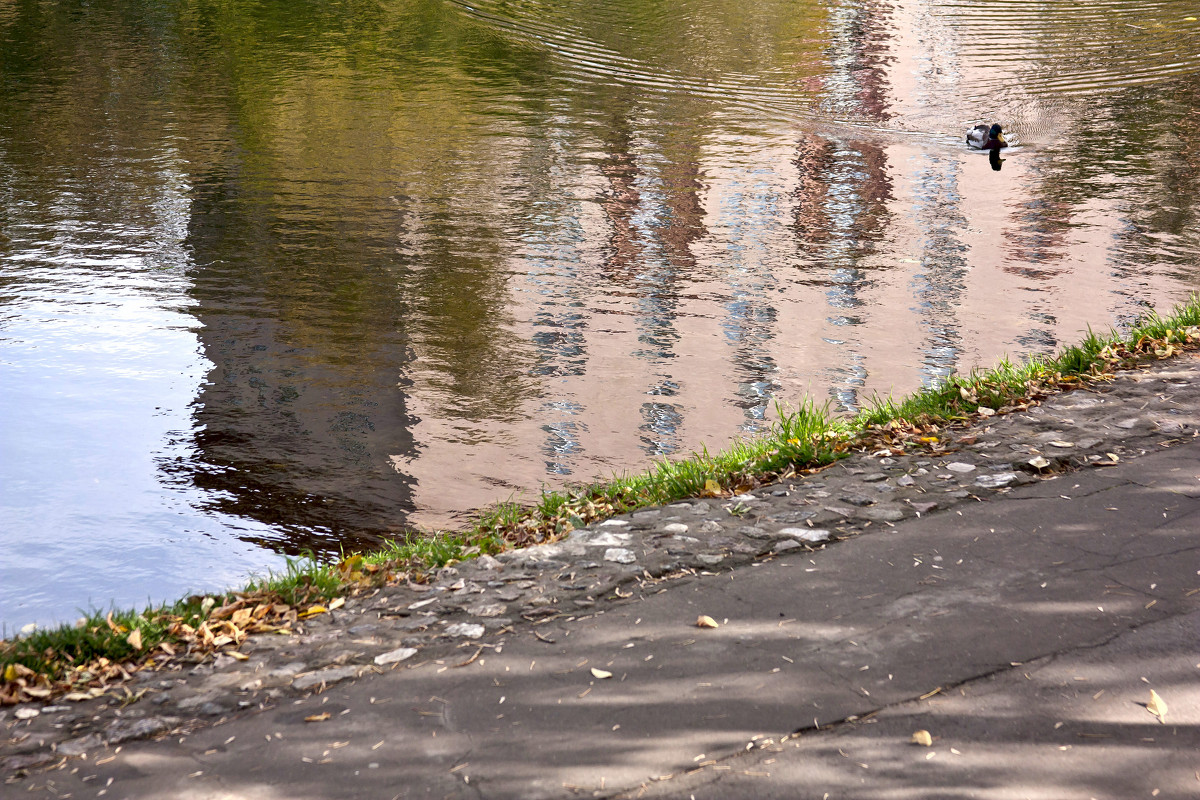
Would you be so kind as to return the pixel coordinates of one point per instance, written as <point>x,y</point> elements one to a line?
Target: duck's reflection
<point>995,160</point>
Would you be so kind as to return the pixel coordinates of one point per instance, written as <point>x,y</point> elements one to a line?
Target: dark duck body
<point>981,137</point>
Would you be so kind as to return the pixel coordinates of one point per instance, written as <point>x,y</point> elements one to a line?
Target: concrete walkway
<point>1024,633</point>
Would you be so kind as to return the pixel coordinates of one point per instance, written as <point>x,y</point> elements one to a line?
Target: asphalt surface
<point>1024,634</point>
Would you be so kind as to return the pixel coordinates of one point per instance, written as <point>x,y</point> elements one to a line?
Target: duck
<point>981,137</point>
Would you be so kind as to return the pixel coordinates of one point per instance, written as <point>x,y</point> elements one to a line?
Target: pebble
<point>997,481</point>
<point>80,746</point>
<point>675,527</point>
<point>960,467</point>
<point>807,534</point>
<point>465,630</point>
<point>395,656</point>
<point>329,676</point>
<point>487,609</point>
<point>619,555</point>
<point>607,539</point>
<point>883,514</point>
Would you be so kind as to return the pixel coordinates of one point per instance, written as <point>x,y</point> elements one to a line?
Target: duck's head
<point>996,132</point>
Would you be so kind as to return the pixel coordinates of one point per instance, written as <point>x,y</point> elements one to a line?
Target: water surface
<point>278,277</point>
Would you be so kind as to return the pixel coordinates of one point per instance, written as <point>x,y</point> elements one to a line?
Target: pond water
<point>286,276</point>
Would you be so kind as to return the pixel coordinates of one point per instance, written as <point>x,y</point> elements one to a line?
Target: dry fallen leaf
<point>324,715</point>
<point>705,621</point>
<point>1157,707</point>
<point>312,611</point>
<point>135,639</point>
<point>922,738</point>
<point>601,673</point>
<point>337,603</point>
<point>1039,462</point>
<point>712,488</point>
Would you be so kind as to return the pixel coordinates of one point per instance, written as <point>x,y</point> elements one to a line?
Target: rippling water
<point>277,277</point>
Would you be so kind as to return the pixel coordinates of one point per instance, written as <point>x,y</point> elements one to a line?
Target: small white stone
<point>395,656</point>
<point>466,630</point>
<point>960,466</point>
<point>487,609</point>
<point>614,523</point>
<point>28,712</point>
<point>607,539</point>
<point>996,481</point>
<point>619,555</point>
<point>806,534</point>
<point>675,527</point>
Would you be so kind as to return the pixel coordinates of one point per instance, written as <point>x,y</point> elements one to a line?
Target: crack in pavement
<point>1034,664</point>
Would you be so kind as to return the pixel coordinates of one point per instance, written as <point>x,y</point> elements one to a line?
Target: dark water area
<point>285,277</point>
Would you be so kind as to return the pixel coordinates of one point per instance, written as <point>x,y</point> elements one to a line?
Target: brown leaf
<point>135,639</point>
<point>324,715</point>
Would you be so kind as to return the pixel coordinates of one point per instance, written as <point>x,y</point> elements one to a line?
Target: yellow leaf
<point>1157,707</point>
<point>351,564</point>
<point>135,639</point>
<point>601,673</point>
<point>922,738</point>
<point>324,715</point>
<point>337,603</point>
<point>705,621</point>
<point>238,656</point>
<point>712,488</point>
<point>313,611</point>
<point>10,672</point>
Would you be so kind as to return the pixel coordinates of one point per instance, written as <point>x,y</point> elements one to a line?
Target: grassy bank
<point>100,651</point>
